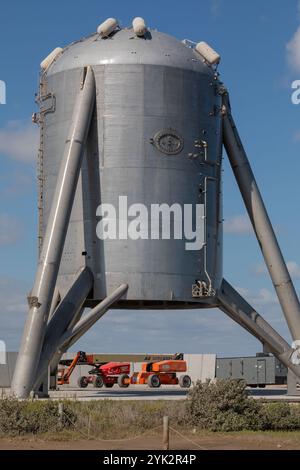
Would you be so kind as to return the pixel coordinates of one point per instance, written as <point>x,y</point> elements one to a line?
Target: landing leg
<point>233,304</point>
<point>42,293</point>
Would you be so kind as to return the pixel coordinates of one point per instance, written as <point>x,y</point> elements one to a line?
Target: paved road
<point>136,392</point>
<point>142,392</point>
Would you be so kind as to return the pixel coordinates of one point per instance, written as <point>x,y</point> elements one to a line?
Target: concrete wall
<point>200,367</point>
<point>7,370</point>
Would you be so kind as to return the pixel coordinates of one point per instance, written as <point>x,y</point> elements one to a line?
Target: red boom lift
<point>103,374</point>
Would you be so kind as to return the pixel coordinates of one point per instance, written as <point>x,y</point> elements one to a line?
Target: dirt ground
<point>232,441</point>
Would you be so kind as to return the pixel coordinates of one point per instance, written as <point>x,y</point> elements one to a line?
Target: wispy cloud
<point>215,7</point>
<point>293,267</point>
<point>262,297</point>
<point>16,183</point>
<point>13,308</point>
<point>10,230</point>
<point>296,136</point>
<point>293,47</point>
<point>266,303</point>
<point>238,224</point>
<point>190,331</point>
<point>162,331</point>
<point>293,51</point>
<point>19,141</point>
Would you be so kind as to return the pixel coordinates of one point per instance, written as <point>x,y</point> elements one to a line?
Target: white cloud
<point>238,224</point>
<point>161,331</point>
<point>262,297</point>
<point>260,269</point>
<point>168,331</point>
<point>297,136</point>
<point>215,7</point>
<point>293,51</point>
<point>13,310</point>
<point>265,297</point>
<point>293,47</point>
<point>19,141</point>
<point>293,267</point>
<point>10,230</point>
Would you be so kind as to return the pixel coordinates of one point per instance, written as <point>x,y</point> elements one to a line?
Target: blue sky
<point>259,42</point>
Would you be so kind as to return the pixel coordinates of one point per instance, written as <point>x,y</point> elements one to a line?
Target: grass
<point>218,406</point>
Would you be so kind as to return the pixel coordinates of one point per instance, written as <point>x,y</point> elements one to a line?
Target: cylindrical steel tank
<point>156,139</point>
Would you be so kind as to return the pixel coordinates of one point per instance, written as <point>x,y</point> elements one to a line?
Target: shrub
<point>215,406</point>
<point>21,417</point>
<point>282,417</point>
<point>224,405</point>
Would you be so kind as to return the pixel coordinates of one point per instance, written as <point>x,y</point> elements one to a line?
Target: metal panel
<point>254,370</point>
<point>7,370</point>
<point>157,49</point>
<point>261,371</point>
<point>4,373</point>
<point>250,370</point>
<point>223,368</point>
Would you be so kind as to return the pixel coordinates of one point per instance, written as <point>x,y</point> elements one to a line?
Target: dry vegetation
<point>222,406</point>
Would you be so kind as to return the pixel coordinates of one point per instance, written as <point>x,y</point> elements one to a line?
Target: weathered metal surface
<point>155,100</point>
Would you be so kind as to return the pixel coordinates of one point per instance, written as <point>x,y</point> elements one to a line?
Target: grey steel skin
<point>144,86</point>
<point>155,136</point>
<point>55,301</point>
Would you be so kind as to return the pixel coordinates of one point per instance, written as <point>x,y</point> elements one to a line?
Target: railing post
<point>166,443</point>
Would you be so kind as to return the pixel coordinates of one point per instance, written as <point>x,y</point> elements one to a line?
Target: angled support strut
<point>233,304</point>
<point>42,293</point>
<point>74,333</point>
<point>261,224</point>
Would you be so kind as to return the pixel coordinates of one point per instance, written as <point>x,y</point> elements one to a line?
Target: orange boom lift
<point>155,374</point>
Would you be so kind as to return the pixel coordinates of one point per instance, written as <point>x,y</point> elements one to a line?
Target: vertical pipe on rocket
<point>47,271</point>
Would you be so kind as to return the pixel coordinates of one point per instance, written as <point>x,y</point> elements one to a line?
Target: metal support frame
<point>68,308</point>
<point>52,327</point>
<point>236,307</point>
<point>42,293</point>
<point>260,221</point>
<point>229,300</point>
<point>74,333</point>
<point>55,301</point>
